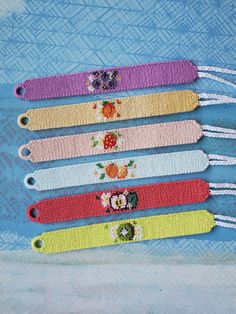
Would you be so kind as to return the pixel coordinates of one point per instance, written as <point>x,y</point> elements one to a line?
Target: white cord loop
<point>225,221</point>
<point>213,131</point>
<point>203,72</point>
<point>220,160</point>
<point>222,188</point>
<point>215,99</point>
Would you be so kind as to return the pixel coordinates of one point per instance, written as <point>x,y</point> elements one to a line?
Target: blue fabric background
<point>183,275</point>
<point>53,37</point>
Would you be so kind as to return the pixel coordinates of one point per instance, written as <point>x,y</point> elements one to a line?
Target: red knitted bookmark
<point>121,200</point>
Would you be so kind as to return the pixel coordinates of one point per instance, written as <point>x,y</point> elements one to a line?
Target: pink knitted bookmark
<point>133,138</point>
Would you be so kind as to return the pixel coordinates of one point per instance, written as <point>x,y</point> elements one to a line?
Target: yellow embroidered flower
<point>118,201</point>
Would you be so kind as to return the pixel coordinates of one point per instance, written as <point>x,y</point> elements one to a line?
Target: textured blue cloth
<point>44,38</point>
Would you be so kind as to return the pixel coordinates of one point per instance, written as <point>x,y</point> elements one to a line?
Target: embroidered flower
<point>103,80</point>
<point>118,201</point>
<point>117,171</point>
<point>126,232</point>
<point>106,110</point>
<point>105,199</point>
<point>113,232</point>
<point>111,170</point>
<point>138,232</point>
<point>109,141</point>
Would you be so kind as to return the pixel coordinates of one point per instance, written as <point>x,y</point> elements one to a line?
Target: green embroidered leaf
<point>114,134</point>
<point>130,164</point>
<point>102,176</point>
<point>99,165</point>
<point>95,143</point>
<point>133,199</point>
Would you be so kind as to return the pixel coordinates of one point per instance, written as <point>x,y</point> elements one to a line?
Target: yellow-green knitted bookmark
<point>131,230</point>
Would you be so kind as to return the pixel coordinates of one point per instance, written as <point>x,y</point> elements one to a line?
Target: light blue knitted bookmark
<point>124,169</point>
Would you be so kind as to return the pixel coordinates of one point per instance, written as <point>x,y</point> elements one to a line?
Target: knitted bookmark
<point>130,230</point>
<point>139,137</point>
<point>116,79</point>
<point>117,109</point>
<point>125,168</point>
<point>128,199</point>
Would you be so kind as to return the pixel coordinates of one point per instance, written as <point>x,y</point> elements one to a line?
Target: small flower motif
<point>129,205</point>
<point>106,110</point>
<point>105,199</point>
<point>96,84</point>
<point>110,141</point>
<point>111,170</point>
<point>138,232</point>
<point>113,232</point>
<point>102,80</point>
<point>114,171</point>
<point>90,78</point>
<point>118,201</point>
<point>126,232</point>
<point>129,231</point>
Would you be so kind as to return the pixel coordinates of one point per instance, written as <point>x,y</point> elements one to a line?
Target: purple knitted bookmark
<point>115,79</point>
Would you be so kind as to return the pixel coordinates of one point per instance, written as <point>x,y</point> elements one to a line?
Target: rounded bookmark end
<point>30,181</point>
<point>24,152</point>
<point>19,91</point>
<point>23,121</point>
<point>32,213</point>
<point>37,244</point>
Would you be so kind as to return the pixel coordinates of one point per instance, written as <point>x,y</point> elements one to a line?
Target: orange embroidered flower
<point>115,171</point>
<point>108,110</point>
<point>122,172</point>
<point>111,170</point>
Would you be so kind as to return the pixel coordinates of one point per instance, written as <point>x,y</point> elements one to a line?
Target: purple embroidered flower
<point>96,83</point>
<point>112,83</point>
<point>96,74</point>
<point>104,86</point>
<point>103,80</point>
<point>105,76</point>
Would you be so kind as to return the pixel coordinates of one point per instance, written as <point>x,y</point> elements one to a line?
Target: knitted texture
<point>117,201</point>
<point>108,80</point>
<point>109,110</point>
<point>139,137</point>
<point>118,169</point>
<point>125,231</point>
